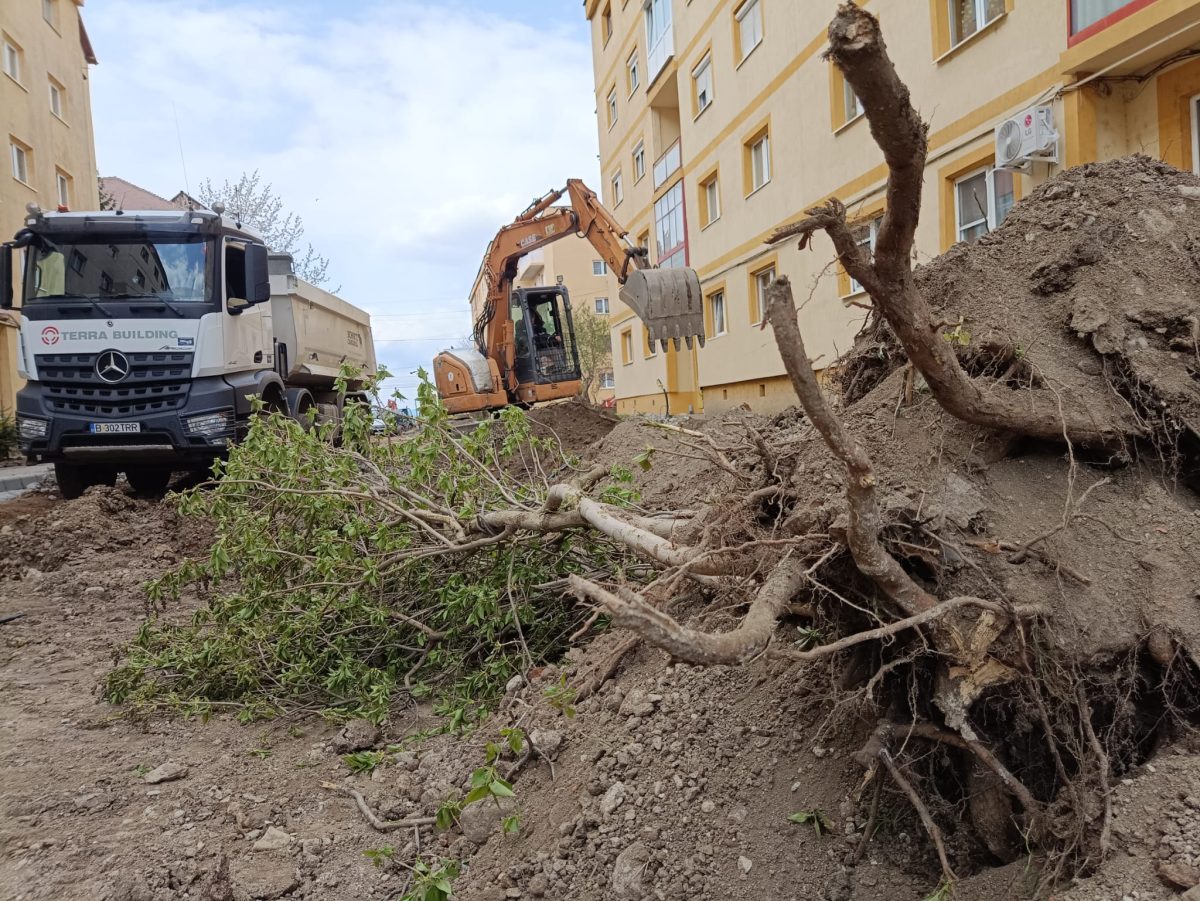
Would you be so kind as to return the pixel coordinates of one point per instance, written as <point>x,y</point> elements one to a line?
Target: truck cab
<point>144,337</point>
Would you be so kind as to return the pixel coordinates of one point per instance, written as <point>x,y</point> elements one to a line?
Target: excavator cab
<point>544,335</point>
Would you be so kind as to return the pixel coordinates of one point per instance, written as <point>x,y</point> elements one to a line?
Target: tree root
<point>377,822</point>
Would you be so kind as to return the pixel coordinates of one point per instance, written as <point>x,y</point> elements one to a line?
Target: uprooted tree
<point>343,574</point>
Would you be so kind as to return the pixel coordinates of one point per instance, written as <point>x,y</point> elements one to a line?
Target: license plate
<point>115,428</point>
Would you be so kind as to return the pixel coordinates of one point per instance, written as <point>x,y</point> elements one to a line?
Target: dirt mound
<point>576,425</point>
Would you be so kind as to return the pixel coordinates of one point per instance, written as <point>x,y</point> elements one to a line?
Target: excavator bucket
<point>669,302</point>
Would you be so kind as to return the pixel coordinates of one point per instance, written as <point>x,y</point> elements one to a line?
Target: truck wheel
<point>74,479</point>
<point>151,482</point>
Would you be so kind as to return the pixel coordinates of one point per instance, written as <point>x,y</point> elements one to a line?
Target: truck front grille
<point>157,382</point>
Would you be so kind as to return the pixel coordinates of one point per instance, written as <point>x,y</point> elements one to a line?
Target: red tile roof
<point>128,196</point>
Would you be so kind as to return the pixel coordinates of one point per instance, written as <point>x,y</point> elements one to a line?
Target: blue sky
<point>404,132</point>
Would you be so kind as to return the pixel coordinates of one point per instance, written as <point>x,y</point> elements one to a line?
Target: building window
<point>50,12</point>
<point>1194,105</point>
<point>607,382</point>
<point>710,200</point>
<point>599,268</point>
<point>56,98</point>
<point>758,293</point>
<point>627,346</point>
<point>78,263</point>
<point>12,60</point>
<point>606,24</point>
<point>758,160</point>
<point>702,84</point>
<point>612,107</point>
<point>749,27</point>
<point>618,191</point>
<point>982,201</point>
<point>602,306</point>
<point>716,314</point>
<point>1086,13</point>
<point>106,283</point>
<point>639,162</point>
<point>631,68</point>
<point>851,105</point>
<point>63,183</point>
<point>968,16</point>
<point>865,235</point>
<point>20,162</point>
<point>669,228</point>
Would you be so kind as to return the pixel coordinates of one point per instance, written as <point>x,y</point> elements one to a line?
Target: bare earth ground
<point>671,783</point>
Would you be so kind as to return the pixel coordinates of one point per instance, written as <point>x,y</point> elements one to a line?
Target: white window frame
<point>762,281</point>
<point>632,73</point>
<point>765,143</point>
<point>601,306</point>
<point>639,162</point>
<point>990,190</point>
<point>62,184</point>
<point>12,60</point>
<point>56,99</point>
<point>713,307</point>
<point>869,243</point>
<point>618,189</point>
<point>981,20</point>
<point>755,7</point>
<point>19,157</point>
<point>611,105</point>
<point>1194,106</point>
<point>599,268</point>
<point>705,97</point>
<point>607,381</point>
<point>712,199</point>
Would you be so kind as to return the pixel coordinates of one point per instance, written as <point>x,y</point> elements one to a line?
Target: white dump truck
<point>145,336</point>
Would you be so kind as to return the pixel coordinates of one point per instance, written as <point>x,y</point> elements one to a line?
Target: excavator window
<point>544,336</point>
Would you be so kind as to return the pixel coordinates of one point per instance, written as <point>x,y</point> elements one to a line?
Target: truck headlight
<point>209,424</point>
<point>30,429</point>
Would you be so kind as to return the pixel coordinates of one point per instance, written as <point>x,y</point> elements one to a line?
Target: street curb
<point>29,477</point>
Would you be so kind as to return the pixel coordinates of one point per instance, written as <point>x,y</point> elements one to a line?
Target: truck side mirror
<point>258,279</point>
<point>6,280</point>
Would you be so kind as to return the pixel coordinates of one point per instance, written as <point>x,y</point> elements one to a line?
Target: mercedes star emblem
<point>112,366</point>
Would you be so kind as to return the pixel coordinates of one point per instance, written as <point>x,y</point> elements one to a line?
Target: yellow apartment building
<point>720,122</point>
<point>574,263</point>
<point>46,127</point>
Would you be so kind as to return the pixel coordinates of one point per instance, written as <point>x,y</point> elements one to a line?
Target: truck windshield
<point>176,268</point>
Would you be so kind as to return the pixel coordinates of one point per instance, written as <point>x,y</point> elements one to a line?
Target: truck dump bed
<point>316,332</point>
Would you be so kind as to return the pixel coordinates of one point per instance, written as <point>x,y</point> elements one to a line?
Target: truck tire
<point>149,482</point>
<point>74,479</point>
<point>300,401</point>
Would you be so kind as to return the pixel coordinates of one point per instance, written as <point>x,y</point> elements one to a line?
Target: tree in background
<point>260,208</point>
<point>594,340</point>
<point>106,199</point>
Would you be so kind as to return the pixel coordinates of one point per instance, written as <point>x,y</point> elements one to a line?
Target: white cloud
<point>404,133</point>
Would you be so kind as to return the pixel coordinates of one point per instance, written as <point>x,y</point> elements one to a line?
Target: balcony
<point>660,37</point>
<point>667,165</point>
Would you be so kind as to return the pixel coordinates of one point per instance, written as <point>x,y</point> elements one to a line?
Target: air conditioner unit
<point>1027,137</point>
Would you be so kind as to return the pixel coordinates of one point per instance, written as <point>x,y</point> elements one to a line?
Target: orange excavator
<point>525,351</point>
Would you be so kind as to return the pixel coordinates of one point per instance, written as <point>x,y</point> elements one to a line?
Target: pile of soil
<point>574,424</point>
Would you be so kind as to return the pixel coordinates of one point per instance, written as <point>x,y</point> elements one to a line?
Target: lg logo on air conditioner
<point>51,335</point>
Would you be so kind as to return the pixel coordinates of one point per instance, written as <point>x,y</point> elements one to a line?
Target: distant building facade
<point>46,126</point>
<point>719,121</point>
<point>125,195</point>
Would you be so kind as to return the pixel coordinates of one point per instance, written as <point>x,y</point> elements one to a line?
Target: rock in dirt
<point>613,798</point>
<point>745,864</point>
<point>274,839</point>
<point>256,879</point>
<point>357,735</point>
<point>167,772</point>
<point>548,741</point>
<point>1178,875</point>
<point>638,703</point>
<point>481,821</point>
<point>627,871</point>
